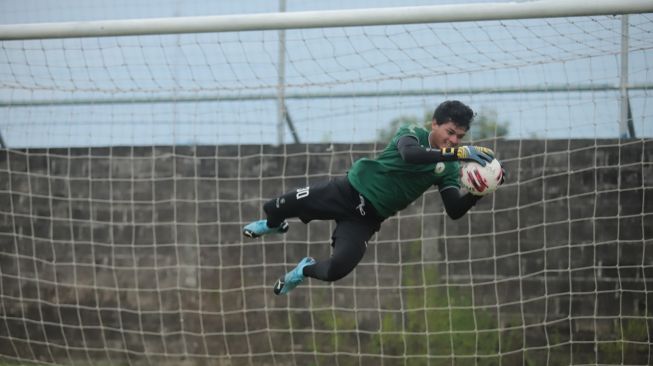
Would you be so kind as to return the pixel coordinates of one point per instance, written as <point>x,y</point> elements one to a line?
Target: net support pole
<point>281,80</point>
<point>623,80</point>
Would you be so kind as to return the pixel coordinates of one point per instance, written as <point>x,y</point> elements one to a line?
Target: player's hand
<point>479,154</point>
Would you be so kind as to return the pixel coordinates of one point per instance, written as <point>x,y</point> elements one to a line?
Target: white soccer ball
<point>480,180</point>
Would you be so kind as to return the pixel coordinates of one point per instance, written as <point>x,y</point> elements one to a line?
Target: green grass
<point>438,322</point>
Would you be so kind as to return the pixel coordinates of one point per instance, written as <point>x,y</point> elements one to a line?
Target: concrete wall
<point>134,255</point>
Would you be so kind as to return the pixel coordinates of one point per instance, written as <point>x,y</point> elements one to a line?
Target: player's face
<point>446,135</point>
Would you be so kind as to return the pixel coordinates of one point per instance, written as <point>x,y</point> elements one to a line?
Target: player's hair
<point>454,111</point>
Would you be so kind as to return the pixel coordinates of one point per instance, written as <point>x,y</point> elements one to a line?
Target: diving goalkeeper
<point>375,189</point>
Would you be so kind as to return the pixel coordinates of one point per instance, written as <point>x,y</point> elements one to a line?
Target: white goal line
<point>325,19</point>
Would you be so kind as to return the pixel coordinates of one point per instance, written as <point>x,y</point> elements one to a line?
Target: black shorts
<point>332,200</point>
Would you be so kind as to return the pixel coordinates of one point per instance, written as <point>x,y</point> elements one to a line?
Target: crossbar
<point>326,19</point>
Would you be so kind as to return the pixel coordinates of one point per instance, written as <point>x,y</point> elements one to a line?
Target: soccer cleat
<point>260,228</point>
<point>293,278</point>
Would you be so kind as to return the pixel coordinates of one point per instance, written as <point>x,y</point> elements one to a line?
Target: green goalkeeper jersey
<point>391,184</point>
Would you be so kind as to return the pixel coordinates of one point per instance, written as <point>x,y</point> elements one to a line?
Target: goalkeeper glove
<point>479,154</point>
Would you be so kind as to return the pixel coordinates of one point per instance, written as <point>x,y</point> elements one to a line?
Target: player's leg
<point>349,245</point>
<point>349,242</point>
<point>317,202</point>
<point>277,211</point>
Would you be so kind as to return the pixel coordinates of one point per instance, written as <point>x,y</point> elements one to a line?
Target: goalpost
<point>133,152</point>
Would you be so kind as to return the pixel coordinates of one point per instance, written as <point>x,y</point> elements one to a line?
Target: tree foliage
<point>486,125</point>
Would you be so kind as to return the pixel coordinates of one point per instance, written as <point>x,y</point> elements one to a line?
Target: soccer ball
<point>480,180</point>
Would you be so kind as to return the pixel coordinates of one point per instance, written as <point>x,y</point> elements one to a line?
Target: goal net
<point>130,164</point>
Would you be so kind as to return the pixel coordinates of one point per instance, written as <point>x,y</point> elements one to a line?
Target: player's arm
<point>456,203</point>
<point>412,153</point>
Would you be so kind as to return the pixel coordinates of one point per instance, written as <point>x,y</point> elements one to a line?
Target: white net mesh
<point>130,165</point>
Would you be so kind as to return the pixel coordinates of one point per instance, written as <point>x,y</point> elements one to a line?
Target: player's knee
<point>337,271</point>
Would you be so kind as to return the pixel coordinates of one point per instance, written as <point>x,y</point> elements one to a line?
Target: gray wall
<point>134,255</point>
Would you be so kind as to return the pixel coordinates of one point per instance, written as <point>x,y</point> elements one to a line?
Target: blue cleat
<point>260,228</point>
<point>293,278</point>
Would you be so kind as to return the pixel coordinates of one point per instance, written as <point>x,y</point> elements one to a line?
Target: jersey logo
<point>439,168</point>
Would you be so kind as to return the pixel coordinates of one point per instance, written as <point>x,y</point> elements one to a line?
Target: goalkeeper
<point>375,189</point>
